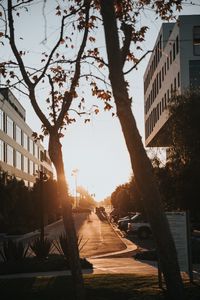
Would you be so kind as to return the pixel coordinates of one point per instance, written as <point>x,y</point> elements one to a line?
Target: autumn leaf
<point>107,106</point>
<point>92,39</point>
<point>1,34</point>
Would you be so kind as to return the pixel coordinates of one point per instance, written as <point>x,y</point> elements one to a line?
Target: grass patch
<point>33,264</point>
<point>98,287</point>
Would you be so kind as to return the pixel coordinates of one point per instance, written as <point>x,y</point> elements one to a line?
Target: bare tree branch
<point>52,52</point>
<point>57,44</point>
<point>23,2</point>
<point>25,76</point>
<point>14,48</point>
<point>96,77</point>
<point>98,59</point>
<point>137,63</point>
<point>68,97</point>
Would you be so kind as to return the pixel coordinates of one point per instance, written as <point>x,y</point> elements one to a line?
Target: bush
<point>41,248</point>
<point>55,262</point>
<point>12,250</point>
<point>62,247</point>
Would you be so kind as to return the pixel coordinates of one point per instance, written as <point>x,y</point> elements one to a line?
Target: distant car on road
<point>123,222</point>
<point>140,226</point>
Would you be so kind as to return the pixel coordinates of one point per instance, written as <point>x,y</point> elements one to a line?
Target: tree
<point>122,13</point>
<point>85,199</point>
<point>126,198</point>
<point>183,155</point>
<point>141,165</point>
<point>59,101</point>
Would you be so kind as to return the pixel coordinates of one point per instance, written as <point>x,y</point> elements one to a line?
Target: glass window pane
<point>9,127</point>
<point>1,150</point>
<point>18,135</point>
<point>18,160</point>
<point>31,167</point>
<point>1,119</point>
<point>25,141</point>
<point>36,151</point>
<point>10,155</point>
<point>31,146</point>
<point>25,164</point>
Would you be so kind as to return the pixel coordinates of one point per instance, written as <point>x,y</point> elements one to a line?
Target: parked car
<point>123,222</point>
<point>140,226</point>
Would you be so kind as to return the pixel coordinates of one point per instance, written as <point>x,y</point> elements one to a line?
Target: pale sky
<point>97,149</point>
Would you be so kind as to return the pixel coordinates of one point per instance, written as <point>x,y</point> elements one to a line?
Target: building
<point>20,156</point>
<point>174,67</point>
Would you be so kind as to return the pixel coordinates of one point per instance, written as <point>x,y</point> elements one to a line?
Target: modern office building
<point>174,67</point>
<point>20,156</point>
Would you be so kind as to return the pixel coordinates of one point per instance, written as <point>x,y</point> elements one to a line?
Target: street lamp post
<point>75,174</point>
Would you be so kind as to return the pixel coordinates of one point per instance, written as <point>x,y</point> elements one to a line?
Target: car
<point>140,226</point>
<point>123,222</point>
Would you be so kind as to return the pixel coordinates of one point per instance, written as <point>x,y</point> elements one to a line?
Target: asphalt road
<point>97,237</point>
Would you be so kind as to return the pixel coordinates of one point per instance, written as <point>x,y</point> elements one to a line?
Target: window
<point>162,73</point>
<point>18,163</point>
<point>175,83</point>
<point>36,169</point>
<point>1,150</point>
<point>177,44</point>
<point>178,79</point>
<point>196,40</point>
<point>36,151</point>
<point>174,51</point>
<point>25,164</point>
<point>18,135</point>
<point>194,71</point>
<point>168,63</point>
<point>9,127</point>
<point>25,140</point>
<point>1,120</point>
<point>165,101</point>
<point>31,146</point>
<point>31,171</point>
<point>9,155</point>
<point>170,57</point>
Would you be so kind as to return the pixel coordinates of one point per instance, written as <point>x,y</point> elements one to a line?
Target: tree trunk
<point>55,152</point>
<point>140,162</point>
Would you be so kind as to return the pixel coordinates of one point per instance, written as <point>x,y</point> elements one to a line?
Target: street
<point>97,237</point>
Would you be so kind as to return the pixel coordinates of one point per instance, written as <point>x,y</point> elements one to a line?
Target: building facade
<point>20,155</point>
<point>174,67</point>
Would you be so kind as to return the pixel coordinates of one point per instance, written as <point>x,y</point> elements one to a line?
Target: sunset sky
<point>97,149</point>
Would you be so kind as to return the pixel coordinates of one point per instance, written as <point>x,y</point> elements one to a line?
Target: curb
<point>129,246</point>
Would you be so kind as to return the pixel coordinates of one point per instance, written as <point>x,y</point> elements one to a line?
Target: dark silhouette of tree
<point>59,101</point>
<point>141,165</point>
<point>183,156</point>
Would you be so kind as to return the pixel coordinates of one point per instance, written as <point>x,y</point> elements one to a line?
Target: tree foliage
<point>126,198</point>
<point>183,159</point>
<point>19,205</point>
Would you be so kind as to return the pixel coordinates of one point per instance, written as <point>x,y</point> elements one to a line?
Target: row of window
<point>156,86</point>
<point>16,159</point>
<point>155,89</point>
<point>15,132</point>
<point>172,55</point>
<point>154,64</point>
<point>161,106</point>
